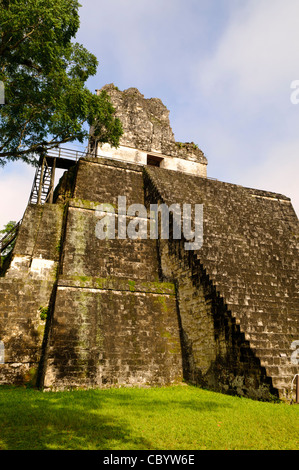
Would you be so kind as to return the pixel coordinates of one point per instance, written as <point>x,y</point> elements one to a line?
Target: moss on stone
<point>131,286</point>
<point>161,299</point>
<point>30,377</point>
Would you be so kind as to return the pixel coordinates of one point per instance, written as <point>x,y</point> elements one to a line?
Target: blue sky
<point>223,68</point>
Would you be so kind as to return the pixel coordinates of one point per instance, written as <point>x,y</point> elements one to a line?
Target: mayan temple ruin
<point>81,310</point>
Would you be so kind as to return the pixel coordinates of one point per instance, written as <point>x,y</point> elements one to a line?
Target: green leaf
<point>44,74</point>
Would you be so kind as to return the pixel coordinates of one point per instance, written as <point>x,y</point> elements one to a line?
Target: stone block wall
<point>242,285</point>
<point>113,322</point>
<point>22,328</point>
<point>26,291</point>
<point>145,311</point>
<point>37,249</point>
<point>147,131</point>
<point>114,333</point>
<point>216,354</point>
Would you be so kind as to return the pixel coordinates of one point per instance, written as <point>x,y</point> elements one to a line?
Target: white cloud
<point>15,187</point>
<point>143,44</point>
<point>16,180</point>
<point>257,55</point>
<point>251,134</point>
<point>278,172</point>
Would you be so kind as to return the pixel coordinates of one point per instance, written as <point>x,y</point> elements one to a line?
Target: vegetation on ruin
<point>167,418</point>
<point>5,231</point>
<point>186,144</point>
<point>43,312</point>
<point>6,253</point>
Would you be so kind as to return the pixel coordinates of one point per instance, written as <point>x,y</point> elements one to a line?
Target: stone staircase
<point>250,256</point>
<point>273,347</point>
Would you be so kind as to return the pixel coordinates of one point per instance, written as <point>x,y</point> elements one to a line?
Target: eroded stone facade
<point>148,135</point>
<point>146,311</point>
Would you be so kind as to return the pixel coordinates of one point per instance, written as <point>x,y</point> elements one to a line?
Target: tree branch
<point>14,46</point>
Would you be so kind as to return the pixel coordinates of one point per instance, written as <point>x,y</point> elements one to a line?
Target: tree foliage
<point>6,231</point>
<point>44,73</point>
<point>8,227</point>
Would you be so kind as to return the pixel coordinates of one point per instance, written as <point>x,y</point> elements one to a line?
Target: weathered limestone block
<point>84,254</point>
<point>102,181</point>
<point>113,321</point>
<point>106,337</point>
<point>22,328</point>
<point>249,263</point>
<point>37,248</point>
<point>145,122</point>
<point>147,133</point>
<point>26,290</point>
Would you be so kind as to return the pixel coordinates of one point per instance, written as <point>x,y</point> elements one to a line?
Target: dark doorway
<point>152,160</point>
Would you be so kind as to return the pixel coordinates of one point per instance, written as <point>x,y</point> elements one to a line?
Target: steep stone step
<point>271,337</point>
<point>278,325</point>
<point>284,384</point>
<point>269,359</point>
<point>283,370</point>
<point>263,352</point>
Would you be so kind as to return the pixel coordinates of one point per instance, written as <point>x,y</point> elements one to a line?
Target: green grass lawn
<point>168,418</point>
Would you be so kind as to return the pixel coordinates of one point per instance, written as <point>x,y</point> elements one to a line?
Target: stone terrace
<point>250,255</point>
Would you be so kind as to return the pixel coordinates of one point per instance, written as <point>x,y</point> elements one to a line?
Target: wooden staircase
<point>43,184</point>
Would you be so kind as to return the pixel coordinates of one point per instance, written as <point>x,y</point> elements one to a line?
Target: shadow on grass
<point>179,397</point>
<point>32,420</point>
<point>91,419</point>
